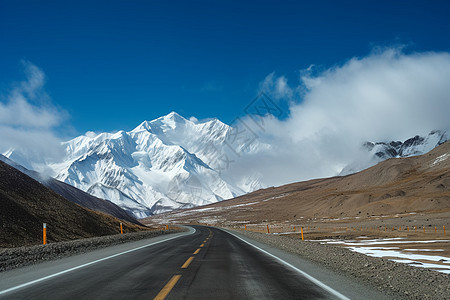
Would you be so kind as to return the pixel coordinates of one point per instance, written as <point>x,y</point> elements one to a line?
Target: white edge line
<point>309,277</point>
<point>84,265</point>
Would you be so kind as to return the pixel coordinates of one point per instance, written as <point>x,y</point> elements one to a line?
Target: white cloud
<point>276,88</point>
<point>385,96</point>
<point>28,119</point>
<point>193,119</point>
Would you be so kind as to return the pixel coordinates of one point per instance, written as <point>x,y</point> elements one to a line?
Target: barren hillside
<point>26,204</point>
<point>395,186</point>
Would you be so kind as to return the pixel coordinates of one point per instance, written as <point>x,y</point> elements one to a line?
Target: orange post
<point>167,227</point>
<point>121,228</point>
<point>268,228</point>
<point>44,233</point>
<point>423,228</point>
<point>245,226</point>
<point>301,230</point>
<point>435,229</point>
<point>407,228</point>
<point>415,229</point>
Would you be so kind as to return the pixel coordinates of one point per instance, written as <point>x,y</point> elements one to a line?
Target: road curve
<point>208,264</point>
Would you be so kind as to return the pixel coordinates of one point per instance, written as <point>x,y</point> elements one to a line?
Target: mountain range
<point>167,163</point>
<point>173,162</point>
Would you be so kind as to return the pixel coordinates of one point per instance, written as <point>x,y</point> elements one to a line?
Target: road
<point>208,264</point>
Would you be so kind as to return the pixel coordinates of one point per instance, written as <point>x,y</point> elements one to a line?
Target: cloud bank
<point>385,96</point>
<point>28,120</point>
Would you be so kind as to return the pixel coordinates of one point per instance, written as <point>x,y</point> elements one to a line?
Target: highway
<point>206,264</point>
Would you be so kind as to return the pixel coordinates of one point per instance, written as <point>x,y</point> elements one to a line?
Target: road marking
<point>167,288</point>
<point>187,263</point>
<point>306,275</point>
<point>84,265</point>
<point>202,245</point>
<point>197,251</point>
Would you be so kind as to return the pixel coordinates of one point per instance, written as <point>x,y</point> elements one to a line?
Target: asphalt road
<point>208,264</point>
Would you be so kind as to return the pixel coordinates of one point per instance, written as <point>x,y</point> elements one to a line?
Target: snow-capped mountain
<point>375,152</point>
<point>164,164</point>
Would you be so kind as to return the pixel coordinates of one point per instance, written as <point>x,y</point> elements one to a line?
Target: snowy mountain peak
<point>172,120</point>
<point>160,165</point>
<point>374,152</point>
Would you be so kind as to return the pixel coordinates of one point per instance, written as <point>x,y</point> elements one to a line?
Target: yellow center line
<point>202,245</point>
<point>187,263</point>
<point>197,251</point>
<point>167,288</point>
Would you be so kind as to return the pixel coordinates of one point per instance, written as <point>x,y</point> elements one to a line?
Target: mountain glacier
<point>164,164</point>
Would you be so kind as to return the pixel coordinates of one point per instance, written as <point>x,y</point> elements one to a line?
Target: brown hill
<point>25,204</point>
<point>395,186</point>
<point>73,194</point>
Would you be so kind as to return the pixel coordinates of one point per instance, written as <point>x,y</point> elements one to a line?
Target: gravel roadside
<point>396,279</point>
<point>11,258</point>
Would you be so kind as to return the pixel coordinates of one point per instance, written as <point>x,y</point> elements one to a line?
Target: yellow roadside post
<point>268,228</point>
<point>301,230</point>
<point>121,228</point>
<point>44,233</point>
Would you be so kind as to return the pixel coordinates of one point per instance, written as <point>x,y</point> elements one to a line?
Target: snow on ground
<point>440,159</point>
<point>417,259</point>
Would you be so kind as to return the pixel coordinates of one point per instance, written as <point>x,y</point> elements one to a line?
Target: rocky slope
<point>26,205</point>
<point>73,194</point>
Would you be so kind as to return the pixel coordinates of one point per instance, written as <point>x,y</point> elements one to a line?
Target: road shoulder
<point>353,274</point>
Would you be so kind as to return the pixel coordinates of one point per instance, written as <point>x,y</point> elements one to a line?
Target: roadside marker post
<point>268,228</point>
<point>121,228</point>
<point>301,230</point>
<point>435,229</point>
<point>167,227</point>
<point>245,226</point>
<point>44,232</point>
<point>444,229</point>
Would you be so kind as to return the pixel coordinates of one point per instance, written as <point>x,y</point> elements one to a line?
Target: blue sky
<point>112,64</point>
